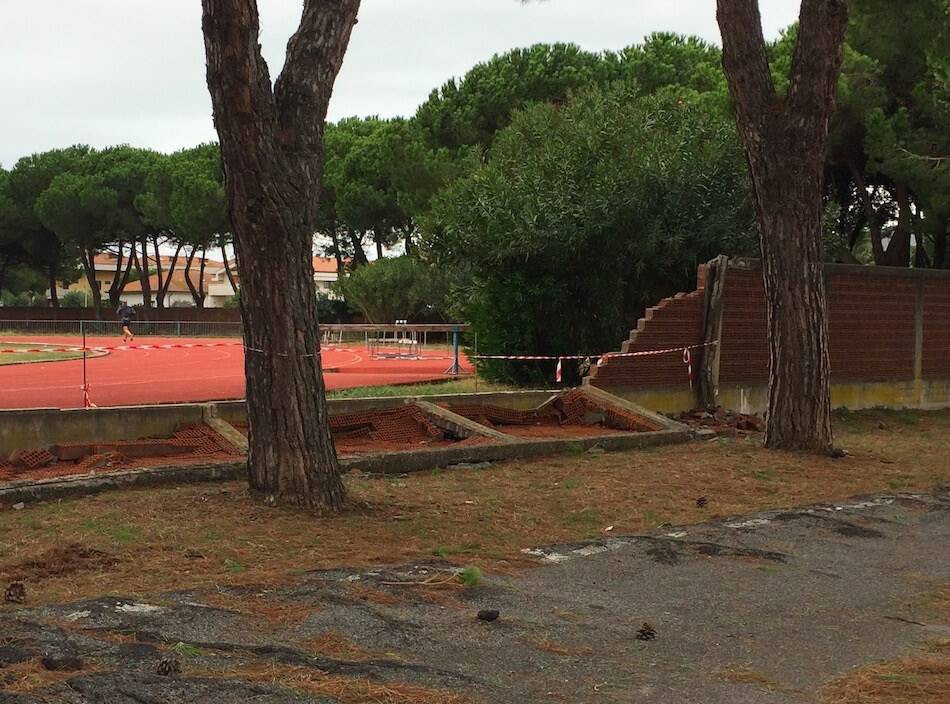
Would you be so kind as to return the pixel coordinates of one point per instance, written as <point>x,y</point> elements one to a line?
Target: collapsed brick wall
<point>675,322</point>
<point>871,318</point>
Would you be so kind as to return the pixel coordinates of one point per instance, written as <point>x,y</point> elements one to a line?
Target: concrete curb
<point>383,463</point>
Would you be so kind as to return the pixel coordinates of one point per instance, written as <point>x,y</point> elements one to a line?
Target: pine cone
<point>701,502</point>
<point>15,593</point>
<point>169,667</point>
<point>647,632</point>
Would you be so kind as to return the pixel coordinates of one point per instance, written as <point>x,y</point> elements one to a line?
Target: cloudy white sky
<point>103,72</point>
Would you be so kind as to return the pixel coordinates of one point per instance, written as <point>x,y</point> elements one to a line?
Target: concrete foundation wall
<point>25,429</point>
<point>923,394</point>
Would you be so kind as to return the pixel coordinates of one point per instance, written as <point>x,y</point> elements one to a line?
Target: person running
<point>125,313</point>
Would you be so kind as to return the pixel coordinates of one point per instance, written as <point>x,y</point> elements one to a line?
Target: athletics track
<point>145,373</point>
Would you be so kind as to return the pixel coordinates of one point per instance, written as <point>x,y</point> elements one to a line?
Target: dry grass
<point>337,646</point>
<point>266,611</point>
<point>740,674</point>
<point>921,679</point>
<point>939,603</point>
<point>30,676</point>
<point>482,517</point>
<point>347,690</point>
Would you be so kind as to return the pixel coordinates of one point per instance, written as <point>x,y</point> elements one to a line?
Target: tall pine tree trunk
<point>272,155</point>
<point>784,141</point>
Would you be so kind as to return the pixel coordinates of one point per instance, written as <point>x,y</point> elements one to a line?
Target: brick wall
<point>871,316</point>
<point>674,323</point>
<point>936,354</point>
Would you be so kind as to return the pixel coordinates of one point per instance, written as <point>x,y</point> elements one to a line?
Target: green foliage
<point>73,299</point>
<point>470,576</point>
<point>471,111</point>
<point>584,215</point>
<point>186,650</point>
<point>399,288</point>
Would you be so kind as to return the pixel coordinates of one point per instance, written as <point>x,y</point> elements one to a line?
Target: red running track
<point>126,377</point>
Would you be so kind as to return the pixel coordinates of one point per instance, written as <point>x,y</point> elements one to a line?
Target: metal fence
<point>113,328</point>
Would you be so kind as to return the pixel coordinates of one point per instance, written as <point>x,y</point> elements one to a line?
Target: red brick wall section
<point>870,317</point>
<point>936,358</point>
<point>871,323</point>
<point>745,352</point>
<point>674,323</point>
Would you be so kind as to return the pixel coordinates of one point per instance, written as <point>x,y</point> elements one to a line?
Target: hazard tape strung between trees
<point>601,358</point>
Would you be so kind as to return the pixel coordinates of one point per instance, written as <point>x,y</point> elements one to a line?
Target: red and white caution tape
<point>602,357</point>
<point>686,352</point>
<point>86,401</point>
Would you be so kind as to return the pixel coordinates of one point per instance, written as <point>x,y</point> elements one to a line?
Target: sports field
<point>18,353</point>
<point>179,370</point>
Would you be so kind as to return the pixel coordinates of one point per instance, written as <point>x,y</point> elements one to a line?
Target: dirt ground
<point>577,552</point>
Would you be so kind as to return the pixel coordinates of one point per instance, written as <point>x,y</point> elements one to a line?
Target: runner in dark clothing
<point>125,313</point>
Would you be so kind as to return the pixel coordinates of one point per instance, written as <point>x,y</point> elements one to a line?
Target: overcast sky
<point>104,72</point>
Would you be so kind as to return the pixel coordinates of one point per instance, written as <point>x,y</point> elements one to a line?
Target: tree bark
<point>272,154</point>
<point>87,258</point>
<point>898,248</point>
<point>359,254</point>
<point>53,293</point>
<point>145,274</point>
<point>940,242</point>
<point>870,215</point>
<point>228,271</point>
<point>200,303</point>
<point>188,281</point>
<point>784,142</point>
<point>163,290</point>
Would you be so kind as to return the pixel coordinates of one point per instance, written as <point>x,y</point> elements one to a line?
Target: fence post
<point>177,328</point>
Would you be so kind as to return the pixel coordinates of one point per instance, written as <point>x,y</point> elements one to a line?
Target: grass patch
<point>215,536</point>
<point>29,357</point>
<point>458,386</point>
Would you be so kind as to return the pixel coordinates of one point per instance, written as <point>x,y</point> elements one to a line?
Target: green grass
<point>460,386</point>
<point>20,358</point>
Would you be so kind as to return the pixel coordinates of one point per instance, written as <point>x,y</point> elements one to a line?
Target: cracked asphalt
<point>796,596</point>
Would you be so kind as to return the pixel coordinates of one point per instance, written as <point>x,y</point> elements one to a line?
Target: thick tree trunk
<point>87,258</point>
<point>163,289</point>
<point>898,249</point>
<point>379,243</point>
<point>870,215</point>
<point>784,141</point>
<point>228,271</point>
<point>940,242</point>
<point>335,236</point>
<point>359,254</point>
<point>191,285</point>
<point>145,275</point>
<point>272,155</point>
<point>200,303</point>
<point>799,385</point>
<point>53,293</point>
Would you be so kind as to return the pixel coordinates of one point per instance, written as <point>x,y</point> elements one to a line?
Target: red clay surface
<point>126,377</point>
